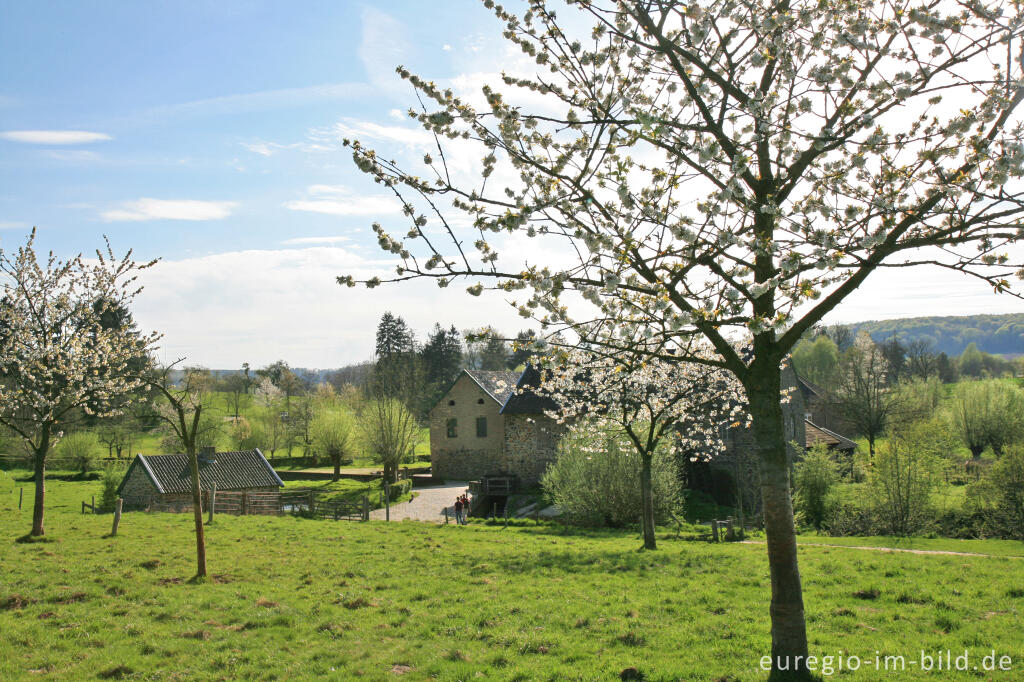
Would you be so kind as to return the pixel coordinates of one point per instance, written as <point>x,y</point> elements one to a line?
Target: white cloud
<point>81,155</point>
<point>13,225</point>
<point>340,200</point>
<point>54,136</point>
<point>259,306</point>
<point>381,49</point>
<point>169,209</point>
<point>284,98</point>
<point>309,241</point>
<point>446,47</point>
<point>368,130</point>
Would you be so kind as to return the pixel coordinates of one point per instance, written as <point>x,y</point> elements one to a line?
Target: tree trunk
<point>976,451</point>
<point>40,476</point>
<point>647,502</point>
<point>871,448</point>
<point>789,632</point>
<point>337,467</point>
<point>197,508</point>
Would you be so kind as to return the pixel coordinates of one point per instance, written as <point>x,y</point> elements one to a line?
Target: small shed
<point>820,435</point>
<point>165,480</point>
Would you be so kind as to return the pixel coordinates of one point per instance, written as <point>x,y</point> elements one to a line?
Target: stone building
<point>166,480</point>
<point>490,423</point>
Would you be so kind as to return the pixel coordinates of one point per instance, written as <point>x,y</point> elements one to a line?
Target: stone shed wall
<point>531,444</point>
<point>467,456</point>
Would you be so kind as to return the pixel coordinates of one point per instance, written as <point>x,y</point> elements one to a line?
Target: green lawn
<point>1009,548</point>
<point>301,599</point>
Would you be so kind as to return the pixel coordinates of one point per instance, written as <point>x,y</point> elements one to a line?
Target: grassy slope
<point>300,599</point>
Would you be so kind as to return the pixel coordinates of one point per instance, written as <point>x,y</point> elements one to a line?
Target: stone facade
<point>531,445</point>
<point>467,455</point>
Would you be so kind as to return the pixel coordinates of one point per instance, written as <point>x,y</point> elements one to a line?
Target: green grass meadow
<point>293,598</point>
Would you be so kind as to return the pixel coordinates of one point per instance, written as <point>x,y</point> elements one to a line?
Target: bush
<point>400,488</point>
<point>595,480</point>
<point>999,497</point>
<point>816,476</point>
<point>112,475</point>
<point>904,475</point>
<point>78,451</point>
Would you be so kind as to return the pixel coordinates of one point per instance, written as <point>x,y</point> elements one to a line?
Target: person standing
<point>458,510</point>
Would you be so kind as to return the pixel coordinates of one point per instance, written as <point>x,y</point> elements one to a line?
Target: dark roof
<point>819,434</point>
<point>525,400</point>
<point>229,470</point>
<point>498,384</point>
<point>811,389</point>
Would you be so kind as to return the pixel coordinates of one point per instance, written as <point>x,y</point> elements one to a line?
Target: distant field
<point>299,599</point>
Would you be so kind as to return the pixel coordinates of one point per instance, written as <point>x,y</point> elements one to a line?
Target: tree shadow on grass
<point>29,539</point>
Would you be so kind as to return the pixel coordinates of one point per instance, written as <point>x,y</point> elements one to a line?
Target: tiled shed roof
<point>499,384</point>
<point>229,470</point>
<point>525,399</point>
<point>819,434</point>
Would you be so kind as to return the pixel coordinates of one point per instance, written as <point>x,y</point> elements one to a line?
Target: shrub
<point>595,480</point>
<point>816,476</point>
<point>112,475</point>
<point>78,451</point>
<point>904,474</point>
<point>999,497</point>
<point>400,488</point>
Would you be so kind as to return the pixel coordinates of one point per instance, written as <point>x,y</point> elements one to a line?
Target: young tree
<point>818,361</point>
<point>182,408</point>
<point>390,433</point>
<point>815,477</point>
<point>235,386</point>
<point>58,360</point>
<point>863,391</point>
<point>738,166</point>
<point>78,450</point>
<point>268,397</point>
<point>333,435</point>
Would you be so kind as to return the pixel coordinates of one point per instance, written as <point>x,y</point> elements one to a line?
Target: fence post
<point>729,534</point>
<point>714,529</point>
<point>117,517</point>
<point>21,496</point>
<point>387,501</point>
<point>93,504</point>
<point>83,506</point>
<point>446,516</point>
<point>366,507</point>
<point>213,500</point>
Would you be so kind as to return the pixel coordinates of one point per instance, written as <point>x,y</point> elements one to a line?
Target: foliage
<point>952,335</point>
<point>333,435</point>
<point>988,413</point>
<point>817,360</point>
<point>112,475</point>
<point>60,355</point>
<point>816,476</point>
<point>389,433</point>
<point>595,480</point>
<point>78,450</point>
<point>1000,496</point>
<point>904,475</point>
<point>864,392</point>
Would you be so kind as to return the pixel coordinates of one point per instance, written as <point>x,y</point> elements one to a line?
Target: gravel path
<point>428,505</point>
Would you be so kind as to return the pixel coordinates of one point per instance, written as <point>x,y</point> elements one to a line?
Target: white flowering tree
<point>58,360</point>
<point>724,168</point>
<point>651,400</point>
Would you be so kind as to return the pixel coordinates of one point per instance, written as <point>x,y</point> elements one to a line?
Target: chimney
<point>207,454</point>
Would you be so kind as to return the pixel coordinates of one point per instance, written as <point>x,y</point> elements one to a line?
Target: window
<point>480,401</point>
<point>451,403</point>
<point>453,428</point>
<point>481,427</point>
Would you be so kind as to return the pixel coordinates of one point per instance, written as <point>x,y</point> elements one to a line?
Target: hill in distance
<point>997,334</point>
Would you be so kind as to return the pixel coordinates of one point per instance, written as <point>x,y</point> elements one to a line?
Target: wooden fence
<point>300,502</point>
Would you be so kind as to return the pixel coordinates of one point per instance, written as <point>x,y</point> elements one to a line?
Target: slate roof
<point>810,389</point>
<point>815,434</point>
<point>229,470</point>
<point>498,384</point>
<point>525,400</point>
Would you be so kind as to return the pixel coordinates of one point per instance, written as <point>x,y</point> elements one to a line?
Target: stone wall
<point>531,444</point>
<point>138,491</point>
<point>466,456</point>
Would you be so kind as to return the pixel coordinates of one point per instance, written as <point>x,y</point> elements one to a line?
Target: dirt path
<point>895,549</point>
<point>428,505</point>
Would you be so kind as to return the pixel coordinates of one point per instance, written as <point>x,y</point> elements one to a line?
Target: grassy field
<point>292,598</point>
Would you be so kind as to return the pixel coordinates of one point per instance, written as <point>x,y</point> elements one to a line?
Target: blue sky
<point>208,134</point>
